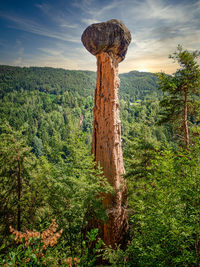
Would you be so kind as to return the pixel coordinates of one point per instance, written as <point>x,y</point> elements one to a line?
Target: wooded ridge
<point>49,182</point>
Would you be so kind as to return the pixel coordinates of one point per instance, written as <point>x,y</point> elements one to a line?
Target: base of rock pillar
<point>107,149</point>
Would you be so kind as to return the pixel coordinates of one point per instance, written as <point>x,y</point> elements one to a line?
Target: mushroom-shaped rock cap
<point>111,37</point>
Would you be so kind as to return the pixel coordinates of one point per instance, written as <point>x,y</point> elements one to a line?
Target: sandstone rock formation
<point>109,42</point>
<point>111,36</point>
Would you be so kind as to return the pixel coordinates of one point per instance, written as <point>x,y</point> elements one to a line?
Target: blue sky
<point>47,33</point>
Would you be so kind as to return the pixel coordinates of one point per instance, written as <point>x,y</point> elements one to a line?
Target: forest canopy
<point>48,179</point>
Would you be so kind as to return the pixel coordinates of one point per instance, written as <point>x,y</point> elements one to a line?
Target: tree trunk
<point>107,149</point>
<point>185,122</point>
<point>19,195</point>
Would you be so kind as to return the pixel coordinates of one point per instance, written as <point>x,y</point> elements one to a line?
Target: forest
<point>48,179</point>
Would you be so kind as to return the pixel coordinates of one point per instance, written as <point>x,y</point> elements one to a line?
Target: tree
<point>20,190</point>
<point>166,207</point>
<point>12,154</point>
<point>181,90</point>
<point>75,189</point>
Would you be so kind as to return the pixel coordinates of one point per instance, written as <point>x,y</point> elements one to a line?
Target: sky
<point>48,32</point>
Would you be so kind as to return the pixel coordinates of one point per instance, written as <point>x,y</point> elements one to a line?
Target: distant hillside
<point>138,85</point>
<point>134,85</point>
<point>45,79</point>
<point>48,102</point>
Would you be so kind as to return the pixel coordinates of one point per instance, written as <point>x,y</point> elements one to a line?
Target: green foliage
<point>165,223</point>
<point>49,114</point>
<point>180,102</point>
<point>91,248</point>
<point>32,249</point>
<point>19,194</point>
<point>116,257</point>
<point>48,80</point>
<point>138,159</point>
<point>137,85</point>
<point>134,85</point>
<point>22,256</point>
<point>73,187</point>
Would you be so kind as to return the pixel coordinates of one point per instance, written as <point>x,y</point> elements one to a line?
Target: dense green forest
<point>48,180</point>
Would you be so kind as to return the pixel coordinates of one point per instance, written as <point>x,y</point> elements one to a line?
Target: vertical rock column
<point>109,42</point>
<point>106,146</point>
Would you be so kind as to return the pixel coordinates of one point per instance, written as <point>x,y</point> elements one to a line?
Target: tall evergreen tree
<point>19,197</point>
<point>181,90</point>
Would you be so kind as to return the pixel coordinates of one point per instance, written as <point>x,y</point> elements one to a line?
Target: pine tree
<point>19,186</point>
<point>181,90</point>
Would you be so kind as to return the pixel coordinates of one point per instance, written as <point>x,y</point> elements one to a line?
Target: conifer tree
<point>181,90</point>
<point>18,194</point>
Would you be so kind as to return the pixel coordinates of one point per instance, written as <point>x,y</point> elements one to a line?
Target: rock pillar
<point>109,42</point>
<point>106,146</point>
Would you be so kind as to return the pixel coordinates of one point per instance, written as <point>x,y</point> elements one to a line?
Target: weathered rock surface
<point>109,42</point>
<point>106,147</point>
<point>111,36</point>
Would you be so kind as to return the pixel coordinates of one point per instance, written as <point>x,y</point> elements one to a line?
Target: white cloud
<point>89,21</point>
<point>51,52</point>
<point>65,25</point>
<point>36,28</point>
<point>157,27</point>
<point>162,10</point>
<point>97,13</point>
<point>58,15</point>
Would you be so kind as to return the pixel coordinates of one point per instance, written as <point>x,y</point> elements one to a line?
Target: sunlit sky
<point>48,33</point>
